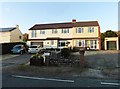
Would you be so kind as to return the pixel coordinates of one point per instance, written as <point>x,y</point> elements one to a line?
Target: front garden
<point>99,64</point>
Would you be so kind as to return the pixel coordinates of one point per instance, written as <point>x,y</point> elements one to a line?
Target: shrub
<point>76,49</point>
<point>65,52</point>
<point>37,60</point>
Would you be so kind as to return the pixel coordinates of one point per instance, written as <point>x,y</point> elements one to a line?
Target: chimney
<point>17,26</point>
<point>73,20</point>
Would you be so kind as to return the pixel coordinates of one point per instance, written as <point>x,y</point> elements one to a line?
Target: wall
<point>47,44</point>
<point>4,37</point>
<point>48,33</point>
<point>74,42</point>
<point>85,33</point>
<point>15,35</point>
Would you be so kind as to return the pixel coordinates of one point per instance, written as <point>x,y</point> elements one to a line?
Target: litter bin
<point>82,60</point>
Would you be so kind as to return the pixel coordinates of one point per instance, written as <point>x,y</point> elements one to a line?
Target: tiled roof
<point>63,25</point>
<point>7,29</point>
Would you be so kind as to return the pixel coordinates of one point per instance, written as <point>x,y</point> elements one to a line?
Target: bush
<point>65,52</point>
<point>76,49</point>
<point>37,60</point>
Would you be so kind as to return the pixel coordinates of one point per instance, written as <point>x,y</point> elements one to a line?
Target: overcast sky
<point>27,14</point>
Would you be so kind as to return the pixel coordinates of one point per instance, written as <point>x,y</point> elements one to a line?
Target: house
<point>11,34</point>
<point>57,35</point>
<point>111,43</point>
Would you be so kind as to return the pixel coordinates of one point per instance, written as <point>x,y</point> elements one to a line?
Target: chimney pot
<point>74,21</point>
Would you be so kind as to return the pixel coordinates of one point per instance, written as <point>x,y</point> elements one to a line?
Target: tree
<point>118,33</point>
<point>110,33</point>
<point>25,37</point>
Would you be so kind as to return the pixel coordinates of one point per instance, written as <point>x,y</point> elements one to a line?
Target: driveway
<point>8,56</point>
<point>13,59</point>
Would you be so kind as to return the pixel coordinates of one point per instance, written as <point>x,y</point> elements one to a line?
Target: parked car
<point>34,48</point>
<point>18,49</point>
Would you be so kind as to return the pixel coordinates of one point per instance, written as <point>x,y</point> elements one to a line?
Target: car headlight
<point>18,50</point>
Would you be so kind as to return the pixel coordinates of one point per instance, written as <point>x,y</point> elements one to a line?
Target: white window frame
<point>42,32</point>
<point>65,31</point>
<point>54,31</point>
<point>90,29</point>
<point>62,41</point>
<point>33,34</point>
<point>82,43</point>
<point>93,44</point>
<point>79,30</point>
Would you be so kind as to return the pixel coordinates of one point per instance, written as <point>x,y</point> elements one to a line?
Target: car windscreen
<point>33,47</point>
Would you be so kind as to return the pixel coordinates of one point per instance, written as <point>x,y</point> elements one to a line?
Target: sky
<point>27,14</point>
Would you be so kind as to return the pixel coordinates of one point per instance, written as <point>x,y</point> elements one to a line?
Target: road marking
<point>105,83</point>
<point>26,77</point>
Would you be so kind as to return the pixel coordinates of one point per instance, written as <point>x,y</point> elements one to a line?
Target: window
<point>91,29</point>
<point>62,43</point>
<point>65,30</point>
<point>54,31</point>
<point>20,37</point>
<point>33,33</point>
<point>79,30</point>
<point>93,44</point>
<point>42,32</point>
<point>80,43</point>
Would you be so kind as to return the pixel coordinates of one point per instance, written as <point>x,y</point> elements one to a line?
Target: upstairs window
<point>54,31</point>
<point>91,29</point>
<point>33,33</point>
<point>42,31</point>
<point>65,30</point>
<point>79,30</point>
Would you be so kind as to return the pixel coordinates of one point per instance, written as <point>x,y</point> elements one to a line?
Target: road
<point>14,80</point>
<point>10,80</point>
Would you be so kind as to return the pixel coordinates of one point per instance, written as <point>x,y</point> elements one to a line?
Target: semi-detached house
<point>57,35</point>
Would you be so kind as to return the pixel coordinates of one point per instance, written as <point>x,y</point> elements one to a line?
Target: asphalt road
<point>13,80</point>
<point>10,80</point>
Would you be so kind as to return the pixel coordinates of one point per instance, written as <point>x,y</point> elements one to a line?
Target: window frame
<point>42,32</point>
<point>79,30</point>
<point>54,31</point>
<point>33,33</point>
<point>90,29</point>
<point>65,31</point>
